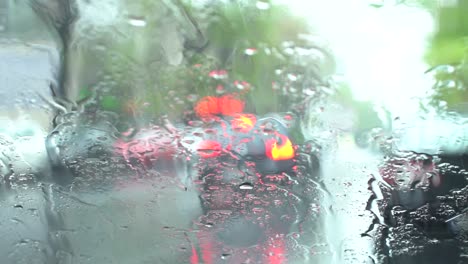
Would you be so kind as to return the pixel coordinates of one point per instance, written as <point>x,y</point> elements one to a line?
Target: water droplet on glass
<point>262,5</point>
<point>198,134</point>
<point>376,3</point>
<point>137,21</point>
<point>250,51</point>
<point>192,98</point>
<point>442,69</point>
<point>210,131</point>
<point>308,92</point>
<point>275,86</point>
<point>220,89</point>
<point>208,152</point>
<point>292,90</point>
<point>195,123</point>
<point>292,77</point>
<point>246,186</point>
<point>218,74</point>
<point>241,85</point>
<point>189,141</point>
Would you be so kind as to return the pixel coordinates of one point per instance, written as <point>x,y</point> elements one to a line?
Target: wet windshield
<point>233,131</point>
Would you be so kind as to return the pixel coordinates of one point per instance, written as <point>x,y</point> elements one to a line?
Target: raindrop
<point>208,153</point>
<point>246,186</point>
<point>376,3</point>
<point>198,134</point>
<point>258,210</point>
<point>275,86</point>
<point>210,131</point>
<point>442,103</point>
<point>241,85</point>
<point>250,51</point>
<point>296,235</point>
<point>195,123</point>
<point>444,69</point>
<point>192,98</point>
<point>289,51</point>
<point>189,141</point>
<point>23,242</point>
<point>308,92</point>
<point>220,89</point>
<point>218,74</point>
<point>225,256</point>
<point>288,117</point>
<point>160,150</point>
<point>262,5</point>
<point>292,77</point>
<point>292,90</point>
<point>137,21</point>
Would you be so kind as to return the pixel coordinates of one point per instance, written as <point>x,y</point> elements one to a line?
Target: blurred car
<point>244,169</point>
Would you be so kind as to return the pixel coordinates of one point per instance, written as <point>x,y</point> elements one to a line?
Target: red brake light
<point>207,106</point>
<point>226,105</point>
<point>229,105</point>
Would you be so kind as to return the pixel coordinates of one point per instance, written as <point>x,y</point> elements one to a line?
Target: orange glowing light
<point>226,105</point>
<point>243,122</point>
<point>284,151</point>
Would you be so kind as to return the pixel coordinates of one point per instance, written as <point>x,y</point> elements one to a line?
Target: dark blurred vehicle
<point>245,172</point>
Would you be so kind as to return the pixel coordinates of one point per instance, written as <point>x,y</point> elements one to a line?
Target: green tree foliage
<point>447,56</point>
<point>263,51</point>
